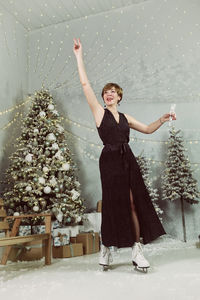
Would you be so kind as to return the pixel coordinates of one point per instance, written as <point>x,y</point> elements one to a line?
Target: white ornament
<point>65,167</point>
<point>53,181</point>
<point>16,214</point>
<point>51,107</point>
<point>51,137</point>
<point>42,114</point>
<point>47,189</point>
<point>55,112</point>
<point>60,128</point>
<point>45,169</point>
<point>28,188</point>
<point>29,157</point>
<point>35,208</point>
<point>75,194</point>
<point>77,183</point>
<point>41,180</point>
<point>59,216</point>
<point>35,131</point>
<point>59,155</point>
<point>78,219</point>
<point>54,146</point>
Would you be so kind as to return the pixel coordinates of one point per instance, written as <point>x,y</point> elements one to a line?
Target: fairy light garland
<point>15,107</point>
<point>13,136</point>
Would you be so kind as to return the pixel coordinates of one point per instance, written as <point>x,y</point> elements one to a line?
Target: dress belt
<point>122,147</point>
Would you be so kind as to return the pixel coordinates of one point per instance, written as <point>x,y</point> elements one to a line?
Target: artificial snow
<point>174,274</point>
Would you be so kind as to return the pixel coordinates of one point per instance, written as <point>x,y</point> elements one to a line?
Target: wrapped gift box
<point>92,222</point>
<point>73,240</point>
<point>61,231</point>
<point>61,240</point>
<point>71,250</point>
<point>38,229</point>
<point>90,241</point>
<point>24,230</point>
<point>74,230</point>
<point>71,230</point>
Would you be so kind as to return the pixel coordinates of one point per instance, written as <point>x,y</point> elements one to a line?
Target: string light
<point>15,107</point>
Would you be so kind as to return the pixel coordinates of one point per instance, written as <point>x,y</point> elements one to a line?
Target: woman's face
<point>111,97</point>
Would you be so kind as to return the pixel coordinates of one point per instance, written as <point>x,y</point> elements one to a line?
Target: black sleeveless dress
<point>120,173</point>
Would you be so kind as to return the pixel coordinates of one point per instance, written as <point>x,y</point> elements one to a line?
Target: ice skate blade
<point>105,267</point>
<point>140,269</point>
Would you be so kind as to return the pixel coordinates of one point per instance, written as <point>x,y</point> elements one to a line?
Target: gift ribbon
<point>72,250</point>
<point>94,239</point>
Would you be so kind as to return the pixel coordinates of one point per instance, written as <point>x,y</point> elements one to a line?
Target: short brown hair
<point>109,86</point>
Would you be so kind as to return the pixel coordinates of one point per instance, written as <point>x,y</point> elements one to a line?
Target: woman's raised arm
<point>95,106</point>
<point>134,124</point>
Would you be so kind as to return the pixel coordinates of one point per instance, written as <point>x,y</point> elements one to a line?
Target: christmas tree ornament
<point>77,183</point>
<point>56,190</point>
<point>64,209</point>
<point>41,180</point>
<point>78,219</point>
<point>65,167</point>
<point>35,131</point>
<point>47,153</point>
<point>42,114</point>
<point>29,157</point>
<point>36,208</point>
<point>28,188</point>
<point>51,137</point>
<point>60,128</point>
<point>59,215</point>
<point>47,189</point>
<point>16,214</point>
<point>43,203</point>
<point>45,169</point>
<point>54,146</point>
<point>53,181</point>
<point>75,194</point>
<point>54,210</point>
<point>25,199</point>
<point>55,112</point>
<point>50,107</point>
<point>68,219</point>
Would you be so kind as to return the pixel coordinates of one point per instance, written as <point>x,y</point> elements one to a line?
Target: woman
<point>127,210</point>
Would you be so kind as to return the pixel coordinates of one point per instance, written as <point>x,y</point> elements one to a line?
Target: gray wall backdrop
<point>150,49</point>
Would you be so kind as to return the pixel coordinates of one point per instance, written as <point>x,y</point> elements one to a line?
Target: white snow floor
<point>174,275</point>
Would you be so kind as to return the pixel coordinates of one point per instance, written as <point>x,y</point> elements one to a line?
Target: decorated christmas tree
<point>153,192</point>
<point>41,176</point>
<point>178,182</point>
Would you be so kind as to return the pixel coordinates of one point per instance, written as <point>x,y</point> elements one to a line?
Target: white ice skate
<point>105,257</point>
<point>138,259</point>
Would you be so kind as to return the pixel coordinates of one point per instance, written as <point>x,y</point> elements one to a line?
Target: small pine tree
<point>178,182</point>
<point>41,176</point>
<point>153,192</point>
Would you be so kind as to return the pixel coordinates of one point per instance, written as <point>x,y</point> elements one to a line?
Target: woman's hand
<point>77,48</point>
<point>166,117</point>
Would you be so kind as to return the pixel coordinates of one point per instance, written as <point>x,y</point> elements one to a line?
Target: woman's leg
<point>135,219</point>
